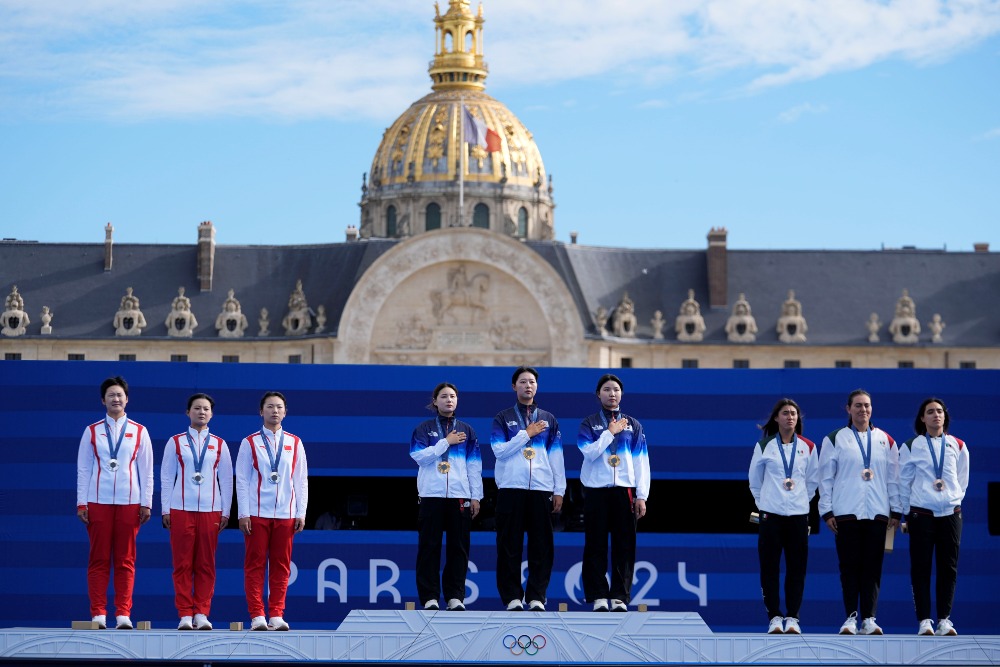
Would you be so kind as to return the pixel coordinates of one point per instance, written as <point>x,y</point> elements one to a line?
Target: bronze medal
<point>939,485</point>
<point>789,484</point>
<point>867,474</point>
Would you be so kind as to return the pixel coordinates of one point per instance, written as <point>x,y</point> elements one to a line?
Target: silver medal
<point>274,478</point>
<point>197,478</point>
<point>113,465</point>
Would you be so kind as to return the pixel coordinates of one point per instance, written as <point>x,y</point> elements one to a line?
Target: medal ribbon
<point>198,460</point>
<point>614,439</point>
<point>121,438</point>
<point>267,446</point>
<point>938,465</point>
<point>444,434</point>
<point>865,458</point>
<point>531,417</point>
<point>790,465</point>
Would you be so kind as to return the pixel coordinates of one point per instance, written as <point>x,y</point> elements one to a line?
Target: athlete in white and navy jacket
<point>933,479</point>
<point>114,494</point>
<point>616,475</point>
<point>859,501</point>
<point>531,480</point>
<point>196,492</point>
<point>784,476</point>
<point>450,486</point>
<point>272,490</point>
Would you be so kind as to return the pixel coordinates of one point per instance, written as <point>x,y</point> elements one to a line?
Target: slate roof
<point>838,289</point>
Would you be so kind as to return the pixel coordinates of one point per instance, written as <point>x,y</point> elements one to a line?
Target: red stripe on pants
<point>112,530</point>
<point>194,537</point>
<point>269,544</point>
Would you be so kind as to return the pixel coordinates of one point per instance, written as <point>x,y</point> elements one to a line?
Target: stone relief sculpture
<point>412,334</point>
<point>181,322</point>
<point>46,320</point>
<point>690,325</point>
<point>905,327</point>
<point>129,320</point>
<point>298,320</point>
<point>873,326</point>
<point>792,325</point>
<point>657,323</point>
<point>936,325</point>
<point>14,320</point>
<point>231,322</point>
<point>464,298</point>
<point>264,323</point>
<point>506,334</point>
<point>741,327</point>
<point>623,319</point>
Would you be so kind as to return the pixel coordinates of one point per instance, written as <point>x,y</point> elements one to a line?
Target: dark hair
<point>111,382</point>
<point>437,390</point>
<point>606,378</point>
<point>850,399</point>
<point>269,394</point>
<point>523,369</point>
<point>919,426</point>
<point>771,427</point>
<point>194,397</point>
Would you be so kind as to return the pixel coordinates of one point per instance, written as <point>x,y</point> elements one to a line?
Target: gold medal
<point>528,453</point>
<point>614,460</point>
<point>867,474</point>
<point>443,467</point>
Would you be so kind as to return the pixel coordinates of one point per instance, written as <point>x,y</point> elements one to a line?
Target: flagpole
<point>461,161</point>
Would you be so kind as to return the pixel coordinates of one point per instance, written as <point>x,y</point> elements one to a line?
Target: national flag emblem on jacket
<point>476,132</point>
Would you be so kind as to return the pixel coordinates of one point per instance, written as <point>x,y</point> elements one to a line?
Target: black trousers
<point>608,511</point>
<point>788,534</point>
<point>860,549</point>
<point>519,511</point>
<point>437,517</point>
<point>930,537</point>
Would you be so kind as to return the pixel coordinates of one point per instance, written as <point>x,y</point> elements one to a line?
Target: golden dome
<point>418,161</point>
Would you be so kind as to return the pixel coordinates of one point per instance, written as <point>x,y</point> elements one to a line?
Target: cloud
<point>990,135</point>
<point>793,114</point>
<point>368,58</point>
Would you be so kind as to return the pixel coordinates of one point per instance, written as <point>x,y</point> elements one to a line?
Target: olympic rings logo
<point>524,644</point>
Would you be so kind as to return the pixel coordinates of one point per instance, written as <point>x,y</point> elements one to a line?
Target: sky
<point>795,124</point>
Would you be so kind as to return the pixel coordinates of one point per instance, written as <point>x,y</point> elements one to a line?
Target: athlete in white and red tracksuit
<point>196,491</point>
<point>450,486</point>
<point>114,493</point>
<point>531,481</point>
<point>933,479</point>
<point>859,501</point>
<point>272,489</point>
<point>783,476</point>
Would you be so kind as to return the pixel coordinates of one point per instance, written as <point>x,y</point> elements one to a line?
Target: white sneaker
<point>536,605</point>
<point>185,623</point>
<point>277,623</point>
<point>946,628</point>
<point>201,622</point>
<point>870,627</point>
<point>776,626</point>
<point>123,622</point>
<point>926,627</point>
<point>618,605</point>
<point>431,605</point>
<point>101,620</point>
<point>850,626</point>
<point>258,623</point>
<point>455,604</point>
<point>601,604</point>
<point>792,626</point>
<point>515,605</point>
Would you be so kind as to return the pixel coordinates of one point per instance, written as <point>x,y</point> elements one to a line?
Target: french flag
<point>476,132</point>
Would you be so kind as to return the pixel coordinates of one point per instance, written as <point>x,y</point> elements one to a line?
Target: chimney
<point>206,255</point>
<point>981,247</point>
<point>573,236</point>
<point>108,242</point>
<point>718,272</point>
<point>352,233</point>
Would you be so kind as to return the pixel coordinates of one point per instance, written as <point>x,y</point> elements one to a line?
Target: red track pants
<point>194,537</point>
<point>269,544</point>
<point>112,530</point>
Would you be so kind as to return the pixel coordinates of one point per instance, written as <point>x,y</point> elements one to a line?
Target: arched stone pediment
<point>461,296</point>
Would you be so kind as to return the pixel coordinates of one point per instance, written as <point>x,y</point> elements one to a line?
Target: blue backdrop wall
<point>356,422</point>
